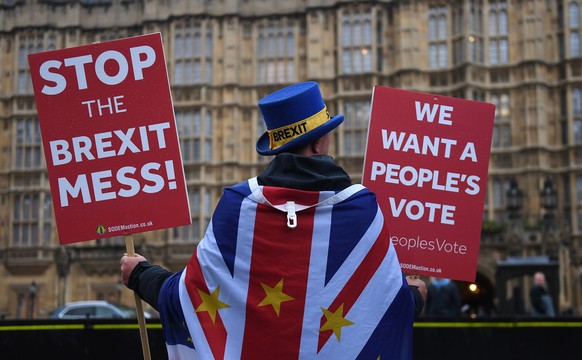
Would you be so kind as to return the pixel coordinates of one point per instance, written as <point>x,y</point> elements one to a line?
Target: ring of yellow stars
<point>275,296</point>
<point>210,303</point>
<point>335,321</point>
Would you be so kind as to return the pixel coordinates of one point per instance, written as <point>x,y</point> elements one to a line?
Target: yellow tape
<point>462,324</point>
<point>124,326</point>
<point>281,136</point>
<point>506,324</point>
<point>444,324</point>
<point>549,324</point>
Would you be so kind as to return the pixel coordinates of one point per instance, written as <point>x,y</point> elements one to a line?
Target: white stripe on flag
<point>238,287</point>
<point>367,312</point>
<point>320,295</point>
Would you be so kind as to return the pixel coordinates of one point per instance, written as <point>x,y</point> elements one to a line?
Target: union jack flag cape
<point>290,274</point>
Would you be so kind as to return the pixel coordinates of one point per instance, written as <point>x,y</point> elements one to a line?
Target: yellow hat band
<point>281,136</point>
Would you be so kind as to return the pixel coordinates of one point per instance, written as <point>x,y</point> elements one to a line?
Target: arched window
<point>356,42</point>
<point>498,33</point>
<point>276,53</point>
<point>191,55</point>
<point>574,29</point>
<point>438,48</point>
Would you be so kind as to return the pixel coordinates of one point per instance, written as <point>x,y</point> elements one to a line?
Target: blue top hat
<point>294,116</point>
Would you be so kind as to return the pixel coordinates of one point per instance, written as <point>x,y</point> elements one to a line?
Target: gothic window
<point>501,129</point>
<point>459,39</point>
<point>276,53</point>
<point>577,112</point>
<point>476,32</point>
<point>28,44</point>
<point>190,232</point>
<point>31,219</point>
<point>437,37</point>
<point>355,127</point>
<point>356,43</point>
<point>579,200</point>
<point>499,188</point>
<point>498,33</point>
<point>28,144</point>
<point>193,47</point>
<point>195,131</point>
<point>574,28</point>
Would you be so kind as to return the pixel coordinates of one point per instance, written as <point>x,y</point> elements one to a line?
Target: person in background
<point>295,263</point>
<point>541,301</point>
<point>443,298</point>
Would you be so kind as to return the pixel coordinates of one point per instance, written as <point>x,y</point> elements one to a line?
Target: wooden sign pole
<point>138,306</point>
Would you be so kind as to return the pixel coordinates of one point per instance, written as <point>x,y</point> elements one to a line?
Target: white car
<point>96,309</point>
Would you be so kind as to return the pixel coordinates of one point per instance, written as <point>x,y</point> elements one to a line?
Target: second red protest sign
<point>110,139</point>
<point>427,159</point>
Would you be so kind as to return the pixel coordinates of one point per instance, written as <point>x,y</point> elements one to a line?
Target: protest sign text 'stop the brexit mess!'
<point>110,139</point>
<point>427,159</point>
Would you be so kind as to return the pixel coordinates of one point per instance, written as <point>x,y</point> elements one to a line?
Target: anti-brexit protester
<point>296,262</point>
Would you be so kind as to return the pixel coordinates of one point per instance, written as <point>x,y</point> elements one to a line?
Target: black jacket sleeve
<point>418,301</point>
<point>147,280</point>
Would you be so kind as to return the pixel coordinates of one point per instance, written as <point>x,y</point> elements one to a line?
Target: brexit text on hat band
<point>281,136</point>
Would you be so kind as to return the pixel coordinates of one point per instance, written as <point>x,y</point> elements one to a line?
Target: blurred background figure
<point>541,301</point>
<point>443,298</point>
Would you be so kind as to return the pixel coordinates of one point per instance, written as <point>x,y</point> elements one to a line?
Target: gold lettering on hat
<point>281,136</point>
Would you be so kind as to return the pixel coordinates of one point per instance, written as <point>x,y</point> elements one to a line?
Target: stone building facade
<point>222,56</point>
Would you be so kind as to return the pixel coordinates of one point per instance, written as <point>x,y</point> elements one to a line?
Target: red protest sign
<point>110,140</point>
<point>426,159</point>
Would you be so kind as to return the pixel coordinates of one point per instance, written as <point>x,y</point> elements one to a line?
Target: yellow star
<point>335,321</point>
<point>210,303</point>
<point>275,296</point>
